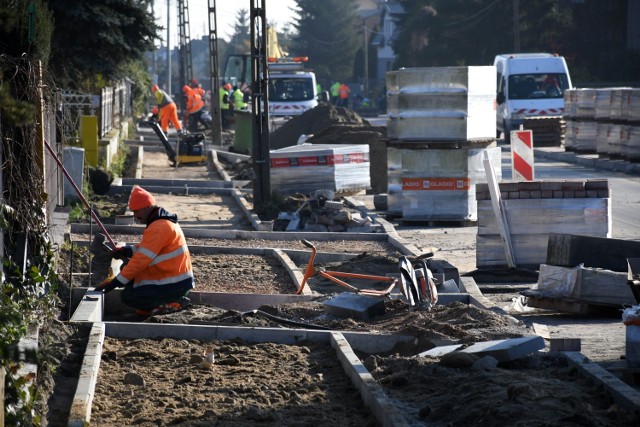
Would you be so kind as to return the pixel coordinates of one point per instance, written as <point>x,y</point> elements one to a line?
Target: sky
<point>278,13</point>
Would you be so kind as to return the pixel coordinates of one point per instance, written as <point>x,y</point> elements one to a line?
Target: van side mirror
<point>323,96</point>
<point>500,98</point>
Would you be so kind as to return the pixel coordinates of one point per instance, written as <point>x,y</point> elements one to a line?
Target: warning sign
<point>434,184</point>
<point>522,155</point>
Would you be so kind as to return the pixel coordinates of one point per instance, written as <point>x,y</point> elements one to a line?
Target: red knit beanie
<point>140,198</point>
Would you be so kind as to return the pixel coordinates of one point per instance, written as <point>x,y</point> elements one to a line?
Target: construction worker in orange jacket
<point>195,106</point>
<point>343,92</point>
<point>168,110</point>
<point>158,276</point>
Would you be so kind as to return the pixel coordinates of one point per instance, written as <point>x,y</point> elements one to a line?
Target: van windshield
<point>291,89</point>
<point>535,86</point>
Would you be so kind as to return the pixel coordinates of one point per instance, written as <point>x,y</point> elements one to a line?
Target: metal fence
<point>113,103</point>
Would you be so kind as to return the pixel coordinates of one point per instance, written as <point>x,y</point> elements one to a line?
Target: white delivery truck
<point>292,89</point>
<point>531,93</point>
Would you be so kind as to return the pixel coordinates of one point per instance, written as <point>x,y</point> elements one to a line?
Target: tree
<point>240,39</point>
<point>328,32</point>
<point>99,37</point>
<point>591,34</point>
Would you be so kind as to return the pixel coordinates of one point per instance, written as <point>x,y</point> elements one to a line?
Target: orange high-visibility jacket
<point>194,101</point>
<point>344,91</point>
<point>162,257</point>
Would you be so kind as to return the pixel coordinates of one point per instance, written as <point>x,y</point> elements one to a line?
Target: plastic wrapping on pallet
<point>585,136</point>
<point>633,146</point>
<point>441,103</point>
<point>309,167</point>
<point>633,108</point>
<point>437,184</point>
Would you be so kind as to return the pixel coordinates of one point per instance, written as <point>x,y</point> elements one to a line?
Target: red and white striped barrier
<point>522,164</point>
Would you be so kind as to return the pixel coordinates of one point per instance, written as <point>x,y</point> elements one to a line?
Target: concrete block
<point>573,185</point>
<point>507,350</point>
<point>596,184</point>
<point>125,220</point>
<point>565,344</point>
<point>354,306</point>
<point>529,185</point>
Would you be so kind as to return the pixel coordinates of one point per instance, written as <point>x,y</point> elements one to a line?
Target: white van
<point>292,90</point>
<point>529,85</point>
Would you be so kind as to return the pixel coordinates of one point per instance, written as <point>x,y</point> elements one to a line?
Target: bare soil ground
<point>266,384</point>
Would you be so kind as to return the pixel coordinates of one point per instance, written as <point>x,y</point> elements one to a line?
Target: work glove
<point>107,285</point>
<point>122,252</point>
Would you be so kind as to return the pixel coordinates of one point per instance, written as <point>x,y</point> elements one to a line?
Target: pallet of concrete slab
<point>547,131</point>
<point>433,184</point>
<point>441,103</point>
<point>306,168</point>
<point>534,210</point>
<point>580,289</point>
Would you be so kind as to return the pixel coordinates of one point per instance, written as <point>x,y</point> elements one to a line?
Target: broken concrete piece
<point>354,306</point>
<point>439,351</point>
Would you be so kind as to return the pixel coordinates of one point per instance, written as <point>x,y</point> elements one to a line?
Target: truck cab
<point>530,85</point>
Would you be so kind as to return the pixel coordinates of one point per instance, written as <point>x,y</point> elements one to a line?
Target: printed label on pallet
<point>329,160</point>
<point>430,184</point>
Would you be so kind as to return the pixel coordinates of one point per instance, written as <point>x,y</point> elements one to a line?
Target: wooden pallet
<point>569,305</point>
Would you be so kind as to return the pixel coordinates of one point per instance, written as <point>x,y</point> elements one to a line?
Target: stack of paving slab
<point>605,121</point>
<point>534,210</point>
<point>440,121</point>
<point>309,167</point>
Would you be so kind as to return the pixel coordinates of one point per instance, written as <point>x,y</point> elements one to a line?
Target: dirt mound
<point>312,122</point>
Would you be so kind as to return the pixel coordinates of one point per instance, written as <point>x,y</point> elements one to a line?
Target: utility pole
<point>260,104</point>
<point>365,87</point>
<point>168,47</point>
<point>214,75</point>
<point>516,26</point>
<point>154,66</point>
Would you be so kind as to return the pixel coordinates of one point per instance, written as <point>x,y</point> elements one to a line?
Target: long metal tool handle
<point>75,187</point>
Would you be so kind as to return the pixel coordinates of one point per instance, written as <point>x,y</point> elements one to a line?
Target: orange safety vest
<point>344,91</point>
<point>194,101</point>
<point>162,256</point>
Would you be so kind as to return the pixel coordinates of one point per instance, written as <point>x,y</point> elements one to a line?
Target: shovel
<point>295,220</point>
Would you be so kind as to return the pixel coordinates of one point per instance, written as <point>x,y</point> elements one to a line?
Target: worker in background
<point>195,106</point>
<point>158,276</point>
<point>195,85</point>
<point>344,93</point>
<point>237,98</point>
<point>225,105</point>
<point>318,88</point>
<point>334,91</point>
<point>167,110</point>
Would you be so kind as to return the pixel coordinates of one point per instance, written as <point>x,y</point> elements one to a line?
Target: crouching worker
<point>158,276</point>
